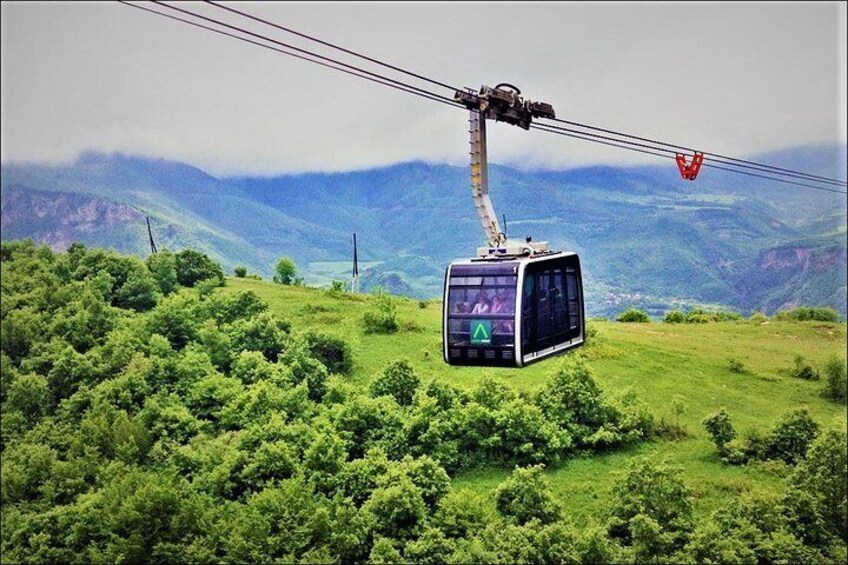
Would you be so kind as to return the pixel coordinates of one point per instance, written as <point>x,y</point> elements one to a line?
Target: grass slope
<point>662,363</point>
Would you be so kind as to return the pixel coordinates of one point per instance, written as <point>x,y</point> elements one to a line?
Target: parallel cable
<point>656,148</point>
<point>730,161</point>
<point>298,49</point>
<point>332,45</point>
<point>594,138</point>
<point>715,156</point>
<point>542,127</point>
<point>423,94</point>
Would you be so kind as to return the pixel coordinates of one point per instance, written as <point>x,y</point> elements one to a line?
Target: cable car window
<point>574,299</point>
<point>481,311</point>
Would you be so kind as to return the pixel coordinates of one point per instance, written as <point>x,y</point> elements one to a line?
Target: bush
<point>333,352</point>
<point>791,437</point>
<point>758,318</point>
<point>525,495</point>
<point>398,381</point>
<point>651,500</point>
<point>701,316</point>
<point>674,317</point>
<point>384,320</point>
<point>720,429</point>
<point>398,510</point>
<point>735,365</point>
<point>804,370</point>
<point>803,314</point>
<point>240,272</point>
<point>822,477</point>
<point>285,272</point>
<point>836,382</point>
<point>633,315</point>
<point>194,266</point>
<point>163,267</point>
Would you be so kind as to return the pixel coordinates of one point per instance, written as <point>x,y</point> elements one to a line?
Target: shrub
<point>791,437</point>
<point>285,272</point>
<point>333,352</point>
<point>720,429</point>
<point>240,272</point>
<point>398,510</point>
<point>336,288</point>
<point>651,500</point>
<point>803,314</point>
<point>701,316</point>
<point>525,495</point>
<point>398,381</point>
<point>163,267</point>
<point>822,477</point>
<point>674,317</point>
<point>140,292</point>
<point>758,318</point>
<point>836,382</point>
<point>633,315</point>
<point>384,320</point>
<point>804,370</point>
<point>194,266</point>
<point>735,365</point>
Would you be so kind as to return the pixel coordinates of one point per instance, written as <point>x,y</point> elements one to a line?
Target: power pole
<point>150,235</point>
<point>354,285</point>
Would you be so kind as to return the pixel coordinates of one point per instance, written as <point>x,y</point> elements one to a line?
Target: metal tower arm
<point>501,103</point>
<point>480,180</point>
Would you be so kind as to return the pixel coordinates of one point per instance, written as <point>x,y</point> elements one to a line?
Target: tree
<point>163,267</point>
<point>720,429</point>
<point>285,272</point>
<point>633,315</point>
<point>240,271</point>
<point>139,293</point>
<point>194,266</point>
<point>652,506</point>
<point>525,495</point>
<point>791,437</point>
<point>836,382</point>
<point>822,477</point>
<point>399,381</point>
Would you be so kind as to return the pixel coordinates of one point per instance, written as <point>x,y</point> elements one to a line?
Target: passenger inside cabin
<point>481,306</point>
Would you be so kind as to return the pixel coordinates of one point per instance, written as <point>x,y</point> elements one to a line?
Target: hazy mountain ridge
<point>645,236</point>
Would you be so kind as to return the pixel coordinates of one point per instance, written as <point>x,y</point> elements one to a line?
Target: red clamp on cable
<point>689,171</point>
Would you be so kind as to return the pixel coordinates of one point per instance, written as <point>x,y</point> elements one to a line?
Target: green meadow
<point>680,371</point>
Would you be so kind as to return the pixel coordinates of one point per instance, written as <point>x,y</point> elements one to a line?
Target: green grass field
<point>662,363</point>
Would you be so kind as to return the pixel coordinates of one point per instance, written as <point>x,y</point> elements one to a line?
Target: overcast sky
<point>728,78</point>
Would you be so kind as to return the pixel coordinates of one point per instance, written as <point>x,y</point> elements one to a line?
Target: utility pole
<point>150,235</point>
<point>354,285</point>
<point>501,103</point>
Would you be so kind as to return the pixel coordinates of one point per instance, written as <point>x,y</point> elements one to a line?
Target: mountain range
<point>646,237</point>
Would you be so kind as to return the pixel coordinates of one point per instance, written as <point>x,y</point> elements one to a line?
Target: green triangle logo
<point>481,332</point>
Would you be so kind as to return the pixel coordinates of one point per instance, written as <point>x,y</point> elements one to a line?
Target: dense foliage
<point>805,313</point>
<point>633,315</point>
<point>285,272</point>
<point>700,316</point>
<point>143,420</point>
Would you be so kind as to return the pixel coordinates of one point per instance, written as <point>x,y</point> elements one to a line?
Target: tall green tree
<point>194,266</point>
<point>163,267</point>
<point>285,272</point>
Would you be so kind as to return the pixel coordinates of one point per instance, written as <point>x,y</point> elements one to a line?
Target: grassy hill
<point>661,363</point>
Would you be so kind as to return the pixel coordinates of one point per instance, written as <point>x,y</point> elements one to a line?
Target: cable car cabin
<point>512,312</point>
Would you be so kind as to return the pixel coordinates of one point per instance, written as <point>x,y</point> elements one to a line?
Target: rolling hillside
<point>661,363</point>
<point>646,238</point>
